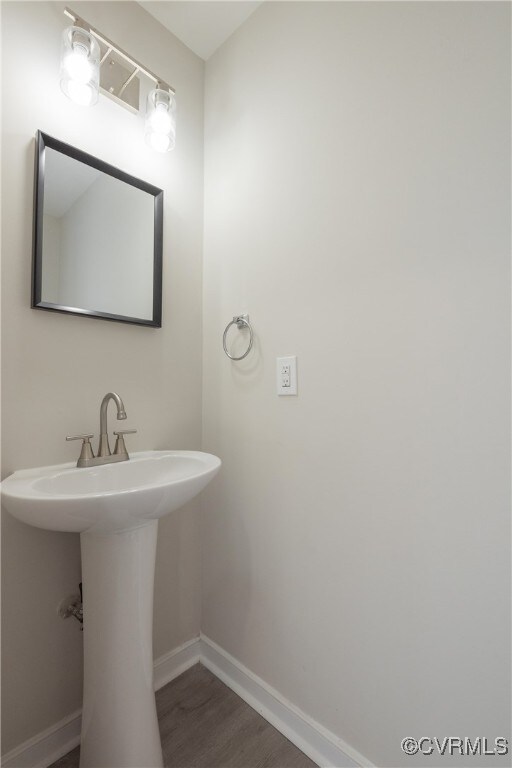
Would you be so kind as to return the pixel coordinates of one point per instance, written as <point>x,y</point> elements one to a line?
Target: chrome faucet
<point>104,448</point>
<point>87,457</point>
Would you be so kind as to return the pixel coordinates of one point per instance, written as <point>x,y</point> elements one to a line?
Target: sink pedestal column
<point>119,721</point>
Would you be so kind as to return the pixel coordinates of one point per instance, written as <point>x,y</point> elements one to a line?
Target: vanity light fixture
<point>90,62</point>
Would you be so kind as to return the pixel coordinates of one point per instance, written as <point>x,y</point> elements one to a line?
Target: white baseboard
<point>46,747</point>
<point>319,744</point>
<point>172,664</point>
<point>322,746</point>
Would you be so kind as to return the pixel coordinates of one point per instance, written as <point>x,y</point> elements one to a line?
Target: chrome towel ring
<point>241,321</point>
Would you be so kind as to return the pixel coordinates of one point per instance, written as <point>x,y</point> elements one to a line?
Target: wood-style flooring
<point>203,724</point>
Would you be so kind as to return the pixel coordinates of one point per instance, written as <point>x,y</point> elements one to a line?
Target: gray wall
<point>356,547</point>
<point>56,368</point>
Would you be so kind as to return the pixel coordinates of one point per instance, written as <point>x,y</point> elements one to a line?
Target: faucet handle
<point>120,447</point>
<point>86,452</point>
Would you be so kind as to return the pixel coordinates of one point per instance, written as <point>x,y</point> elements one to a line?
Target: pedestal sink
<point>115,508</point>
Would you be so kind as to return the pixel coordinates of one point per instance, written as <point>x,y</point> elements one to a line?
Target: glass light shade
<point>160,127</point>
<point>80,66</point>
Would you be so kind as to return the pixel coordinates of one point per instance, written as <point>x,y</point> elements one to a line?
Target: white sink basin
<point>112,497</point>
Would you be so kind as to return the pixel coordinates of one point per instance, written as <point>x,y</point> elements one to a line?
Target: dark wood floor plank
<point>68,761</point>
<point>204,724</point>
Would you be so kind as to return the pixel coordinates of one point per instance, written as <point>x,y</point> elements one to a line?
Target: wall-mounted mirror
<point>97,238</point>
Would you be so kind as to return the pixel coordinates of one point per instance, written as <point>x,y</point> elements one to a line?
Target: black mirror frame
<point>43,141</point>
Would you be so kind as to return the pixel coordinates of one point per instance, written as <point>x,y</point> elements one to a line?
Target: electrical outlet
<point>287,375</point>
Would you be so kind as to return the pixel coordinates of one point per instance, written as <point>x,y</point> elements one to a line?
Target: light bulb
<point>159,142</point>
<point>80,93</point>
<point>77,65</point>
<point>160,119</point>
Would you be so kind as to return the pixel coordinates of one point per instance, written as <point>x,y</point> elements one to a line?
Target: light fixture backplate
<point>115,72</point>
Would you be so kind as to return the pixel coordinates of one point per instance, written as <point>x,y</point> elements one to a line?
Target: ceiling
<point>202,26</point>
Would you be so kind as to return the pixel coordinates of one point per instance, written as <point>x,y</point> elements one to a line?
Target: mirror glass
<point>98,238</point>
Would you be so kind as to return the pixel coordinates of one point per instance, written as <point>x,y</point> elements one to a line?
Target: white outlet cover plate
<point>286,368</point>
